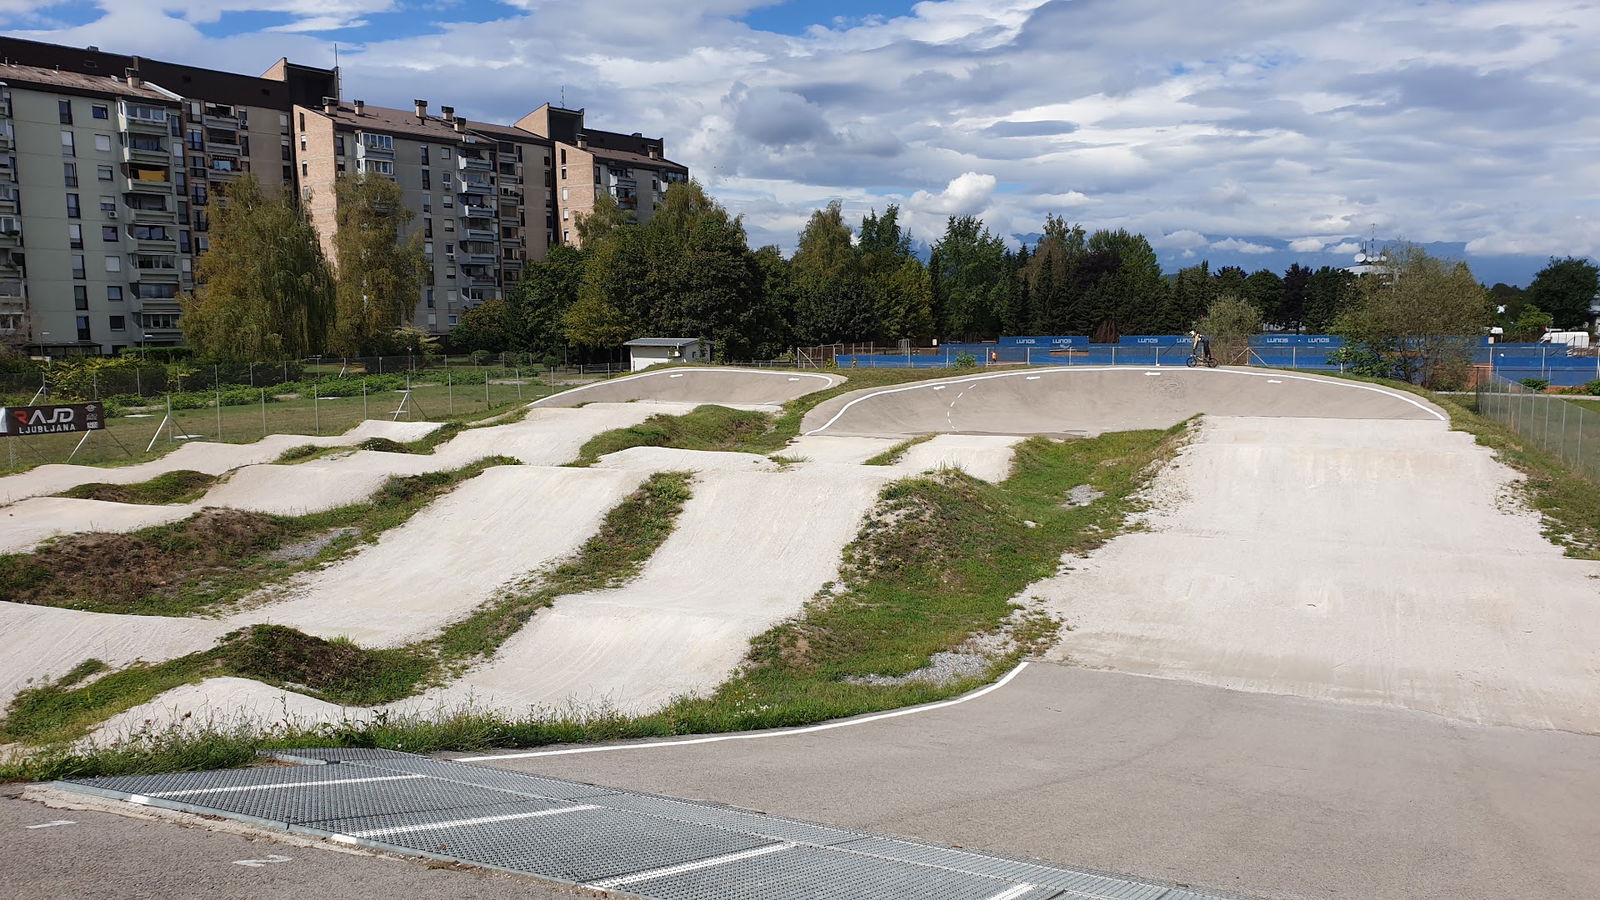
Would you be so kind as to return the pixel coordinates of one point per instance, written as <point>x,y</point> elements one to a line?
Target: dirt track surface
<point>692,385</point>
<point>1378,561</point>
<point>1089,401</point>
<point>199,456</point>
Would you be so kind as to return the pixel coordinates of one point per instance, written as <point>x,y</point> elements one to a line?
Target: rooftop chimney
<point>361,107</point>
<point>133,77</point>
<point>422,108</point>
<point>448,112</point>
<point>330,105</point>
<point>655,152</point>
<point>461,125</point>
<point>583,141</point>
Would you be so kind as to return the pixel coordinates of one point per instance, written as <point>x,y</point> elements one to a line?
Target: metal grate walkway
<point>633,844</point>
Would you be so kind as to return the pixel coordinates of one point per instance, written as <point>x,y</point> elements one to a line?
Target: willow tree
<point>379,274</point>
<point>266,291</point>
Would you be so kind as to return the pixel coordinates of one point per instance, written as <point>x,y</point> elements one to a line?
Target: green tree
<point>1264,291</point>
<point>379,274</point>
<point>1049,277</point>
<point>1329,292</point>
<point>1191,294</point>
<point>602,219</point>
<point>1565,289</point>
<point>487,326</point>
<point>833,301</point>
<point>1530,325</point>
<point>1292,311</point>
<point>1229,322</point>
<point>594,324</point>
<point>536,304</point>
<point>966,265</point>
<point>1417,318</point>
<point>898,291</point>
<point>266,291</point>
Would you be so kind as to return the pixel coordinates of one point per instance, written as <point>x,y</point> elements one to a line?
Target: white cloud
<point>1307,245</point>
<point>967,194</point>
<point>1237,246</point>
<point>1345,247</point>
<point>1455,121</point>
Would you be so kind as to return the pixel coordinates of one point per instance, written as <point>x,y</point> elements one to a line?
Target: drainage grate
<point>644,845</point>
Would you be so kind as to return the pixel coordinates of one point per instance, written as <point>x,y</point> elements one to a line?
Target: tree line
<point>689,272</point>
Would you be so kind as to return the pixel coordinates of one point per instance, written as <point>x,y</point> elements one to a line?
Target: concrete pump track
<point>1325,561</point>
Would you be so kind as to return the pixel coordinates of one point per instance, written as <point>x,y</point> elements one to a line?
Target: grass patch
<point>706,427</point>
<point>940,559</point>
<point>341,671</point>
<point>181,486</point>
<point>892,455</point>
<point>302,453</point>
<point>211,558</point>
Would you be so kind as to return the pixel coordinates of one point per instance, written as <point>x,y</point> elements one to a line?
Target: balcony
<point>474,164</point>
<point>476,258</point>
<point>152,216</point>
<point>11,236</point>
<point>159,154</point>
<point>136,125</point>
<point>469,211</point>
<point>225,174</point>
<point>224,147</point>
<point>228,122</point>
<point>168,243</point>
<point>9,205</point>
<point>146,186</point>
<point>477,234</point>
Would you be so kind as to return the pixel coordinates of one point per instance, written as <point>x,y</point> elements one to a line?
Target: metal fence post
<point>263,412</point>
<point>316,405</point>
<point>216,391</point>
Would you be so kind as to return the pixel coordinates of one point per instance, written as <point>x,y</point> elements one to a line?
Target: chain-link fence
<point>152,406</point>
<point>1563,424</point>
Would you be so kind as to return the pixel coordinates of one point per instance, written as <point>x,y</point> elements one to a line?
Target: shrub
<point>966,361</point>
<point>1535,384</point>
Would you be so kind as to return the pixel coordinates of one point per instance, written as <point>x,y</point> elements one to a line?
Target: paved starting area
<point>627,843</point>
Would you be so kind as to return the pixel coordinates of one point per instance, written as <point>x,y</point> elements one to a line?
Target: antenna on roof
<point>563,96</point>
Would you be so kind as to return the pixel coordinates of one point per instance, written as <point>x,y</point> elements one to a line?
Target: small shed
<point>647,352</point>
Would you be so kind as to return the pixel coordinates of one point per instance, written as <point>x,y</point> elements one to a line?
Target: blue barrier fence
<point>1312,352</point>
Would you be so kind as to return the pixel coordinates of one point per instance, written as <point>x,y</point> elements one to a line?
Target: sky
<point>1248,133</point>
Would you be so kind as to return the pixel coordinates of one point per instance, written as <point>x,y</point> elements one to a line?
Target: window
<point>80,297</point>
<point>427,183</point>
<point>107,204</point>
<point>447,201</point>
<point>446,178</point>
<point>433,318</point>
<point>119,323</point>
<point>305,170</point>
<point>338,145</point>
<point>283,120</point>
<point>183,240</point>
<point>65,107</point>
<point>143,142</point>
<point>424,149</point>
<point>377,141</point>
<point>449,224</point>
<point>563,161</point>
<point>427,201</point>
<point>444,152</point>
<point>146,113</point>
<point>108,233</point>
<point>113,264</point>
<point>72,207</point>
<point>563,171</point>
<point>100,112</point>
<point>380,166</point>
<point>156,291</point>
<point>284,150</point>
<point>566,194</point>
<point>152,233</point>
<point>102,143</point>
<point>104,173</point>
<point>427,249</point>
<point>302,121</point>
<point>83,329</point>
<point>114,293</point>
<point>452,319</point>
<point>427,226</point>
<point>77,266</point>
<point>69,173</point>
<point>429,295</point>
<point>167,320</point>
<point>75,236</point>
<point>67,146</point>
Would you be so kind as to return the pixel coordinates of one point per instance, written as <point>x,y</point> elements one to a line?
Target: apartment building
<point>591,162</point>
<point>90,233</point>
<point>486,198</point>
<point>466,186</point>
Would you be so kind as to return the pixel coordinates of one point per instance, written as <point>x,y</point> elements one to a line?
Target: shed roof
<point>663,342</point>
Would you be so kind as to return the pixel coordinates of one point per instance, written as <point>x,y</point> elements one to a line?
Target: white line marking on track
<point>262,863</point>
<point>274,787</point>
<point>461,823</point>
<point>1012,893</point>
<point>1035,377</point>
<point>1069,370</point>
<point>56,824</point>
<point>681,868</point>
<point>783,732</point>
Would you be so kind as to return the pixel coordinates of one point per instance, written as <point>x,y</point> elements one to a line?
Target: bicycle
<point>1195,359</point>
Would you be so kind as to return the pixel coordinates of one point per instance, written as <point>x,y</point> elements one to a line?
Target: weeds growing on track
<point>941,559</point>
<point>340,671</point>
<point>708,427</point>
<point>181,486</point>
<point>213,557</point>
<point>892,455</point>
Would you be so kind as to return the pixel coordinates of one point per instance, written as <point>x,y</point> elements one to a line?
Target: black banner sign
<point>21,421</point>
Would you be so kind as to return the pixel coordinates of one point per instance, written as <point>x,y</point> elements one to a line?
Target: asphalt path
<point>1268,796</point>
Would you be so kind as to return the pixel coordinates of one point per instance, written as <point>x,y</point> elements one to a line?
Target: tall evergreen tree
<point>965,266</point>
<point>1264,291</point>
<point>1329,292</point>
<point>266,290</point>
<point>1292,312</point>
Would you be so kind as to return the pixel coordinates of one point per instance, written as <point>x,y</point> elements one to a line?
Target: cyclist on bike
<point>1201,348</point>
